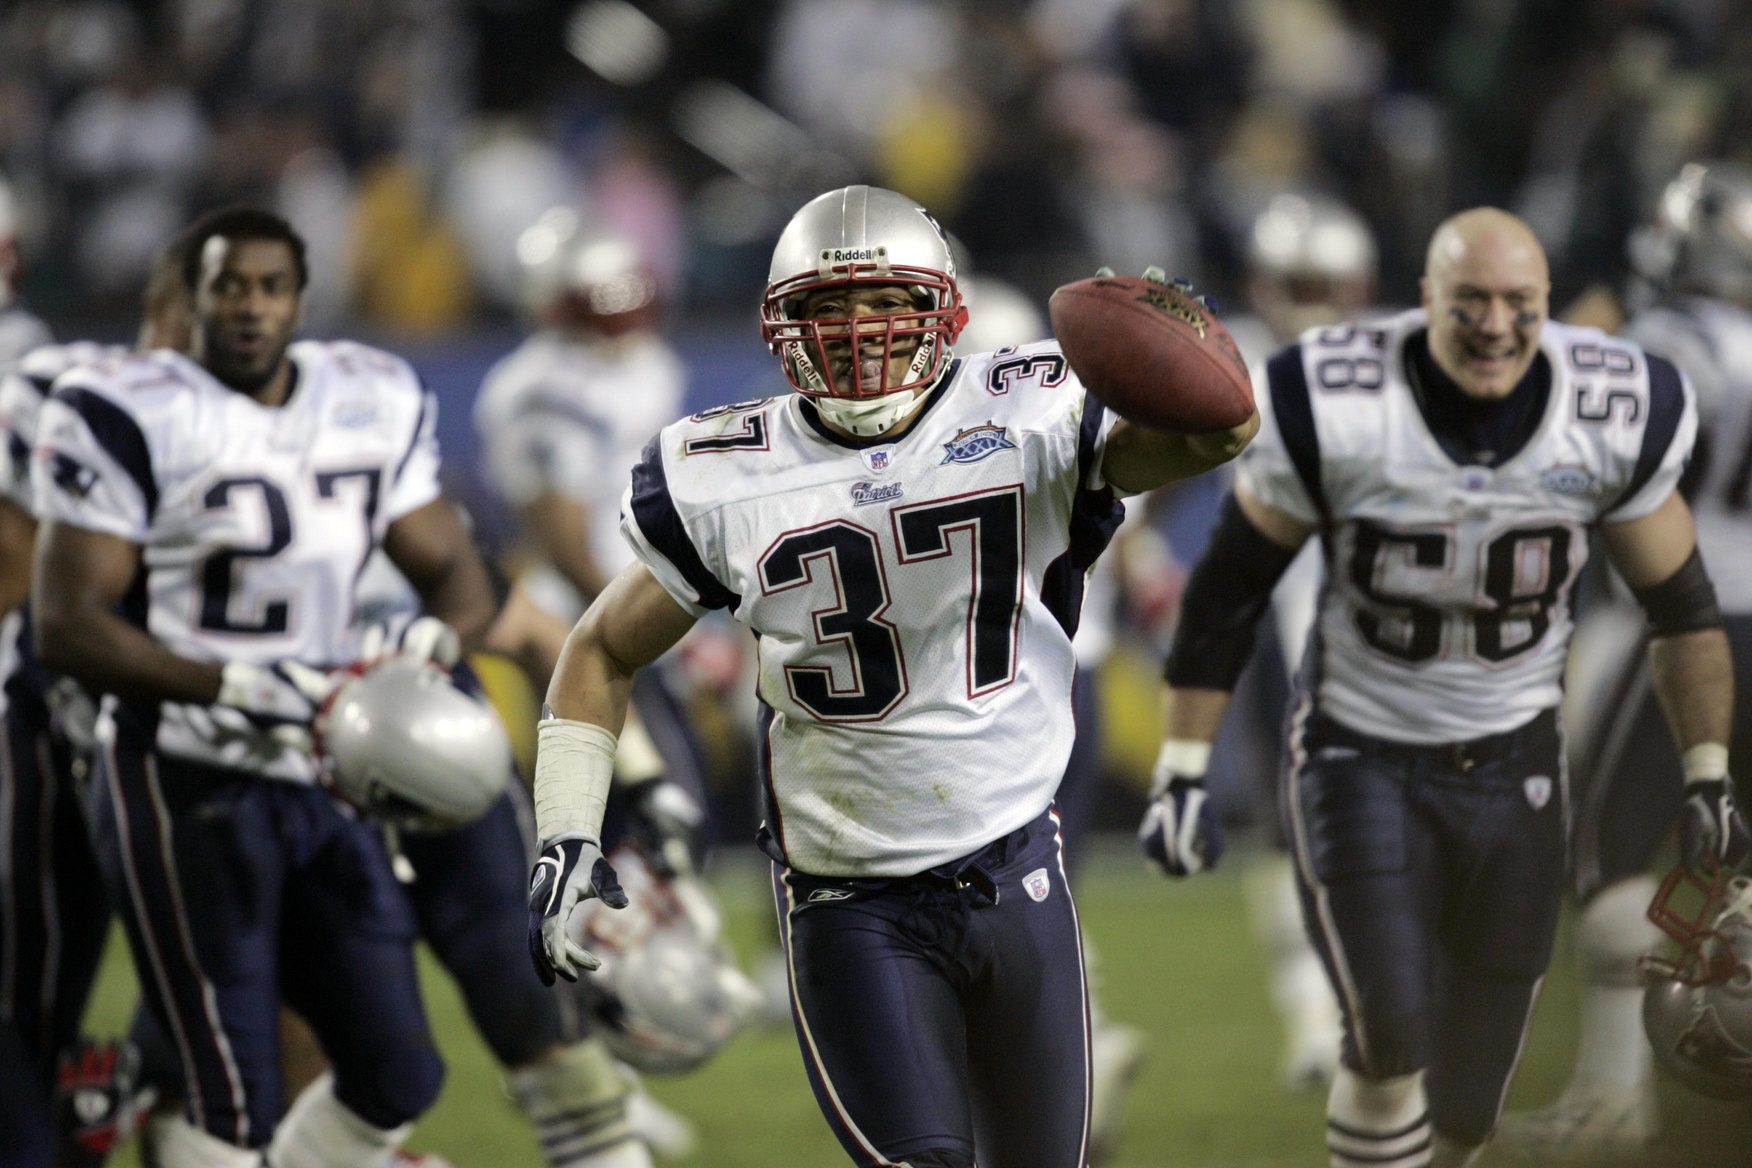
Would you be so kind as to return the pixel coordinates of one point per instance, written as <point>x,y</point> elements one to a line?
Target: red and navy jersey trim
<point>119,434</point>
<point>654,511</point>
<point>1095,516</point>
<point>1287,379</point>
<point>1666,410</point>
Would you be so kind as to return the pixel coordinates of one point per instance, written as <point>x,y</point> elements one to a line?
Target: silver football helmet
<point>668,991</point>
<point>1312,262</point>
<point>401,742</point>
<point>1697,1008</point>
<point>1701,238</point>
<point>861,236</point>
<point>575,275</point>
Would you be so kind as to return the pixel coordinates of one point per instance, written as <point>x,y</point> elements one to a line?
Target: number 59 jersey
<point>1446,613</point>
<point>914,600</point>
<point>254,521</point>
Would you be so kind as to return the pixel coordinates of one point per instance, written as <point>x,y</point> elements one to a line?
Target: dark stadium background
<point>412,140</point>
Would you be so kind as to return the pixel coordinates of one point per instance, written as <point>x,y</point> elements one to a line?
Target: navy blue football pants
<point>470,897</point>
<point>1431,881</point>
<point>238,891</point>
<point>54,917</point>
<point>943,1017</point>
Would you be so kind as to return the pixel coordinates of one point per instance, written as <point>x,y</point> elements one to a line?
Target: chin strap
<point>866,417</point>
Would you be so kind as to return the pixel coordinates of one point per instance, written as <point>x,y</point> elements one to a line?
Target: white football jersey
<point>1711,342</point>
<point>914,600</point>
<point>255,521</point>
<point>20,332</point>
<point>1446,614</point>
<point>557,415</point>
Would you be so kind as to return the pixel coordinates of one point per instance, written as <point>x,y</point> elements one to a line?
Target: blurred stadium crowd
<point>411,141</point>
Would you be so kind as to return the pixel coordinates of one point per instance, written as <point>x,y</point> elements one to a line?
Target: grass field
<point>1178,960</point>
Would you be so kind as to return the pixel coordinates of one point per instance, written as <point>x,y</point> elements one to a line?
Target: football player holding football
<point>1697,255</point>
<point>1454,461</point>
<point>908,536</point>
<point>204,519</point>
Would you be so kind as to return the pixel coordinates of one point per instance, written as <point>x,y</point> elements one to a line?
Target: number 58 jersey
<point>254,521</point>
<point>914,600</point>
<point>1446,613</point>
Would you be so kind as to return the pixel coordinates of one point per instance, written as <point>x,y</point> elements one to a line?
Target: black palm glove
<point>570,869</point>
<point>1712,831</point>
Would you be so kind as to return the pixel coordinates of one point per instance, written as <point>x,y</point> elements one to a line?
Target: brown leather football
<point>1152,354</point>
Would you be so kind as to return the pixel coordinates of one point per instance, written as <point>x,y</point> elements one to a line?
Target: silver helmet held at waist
<point>401,742</point>
<point>1697,1007</point>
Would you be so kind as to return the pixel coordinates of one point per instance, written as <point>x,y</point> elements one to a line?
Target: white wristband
<point>574,766</point>
<point>1186,757</point>
<point>1705,761</point>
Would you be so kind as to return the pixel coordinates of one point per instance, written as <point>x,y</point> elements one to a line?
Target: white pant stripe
<point>809,1038</point>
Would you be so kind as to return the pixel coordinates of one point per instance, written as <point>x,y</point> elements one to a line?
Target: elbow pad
<point>1684,602</point>
<point>1228,592</point>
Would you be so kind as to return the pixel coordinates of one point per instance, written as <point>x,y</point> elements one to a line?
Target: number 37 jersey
<point>1446,613</point>
<point>253,521</point>
<point>914,601</point>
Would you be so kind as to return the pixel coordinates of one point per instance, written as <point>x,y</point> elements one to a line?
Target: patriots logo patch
<point>976,444</point>
<point>864,494</point>
<point>71,475</point>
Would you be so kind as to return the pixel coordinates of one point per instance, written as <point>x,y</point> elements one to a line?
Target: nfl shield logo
<point>879,459</point>
<point>1037,885</point>
<point>1538,790</point>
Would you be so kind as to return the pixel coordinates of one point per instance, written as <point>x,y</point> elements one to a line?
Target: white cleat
<point>1583,1128</point>
<point>670,1136</point>
<point>1116,1054</point>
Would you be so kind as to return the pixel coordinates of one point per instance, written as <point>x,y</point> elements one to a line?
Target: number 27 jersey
<point>253,521</point>
<point>1446,613</point>
<point>914,601</point>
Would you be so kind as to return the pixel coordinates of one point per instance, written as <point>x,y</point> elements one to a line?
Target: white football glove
<point>570,869</point>
<point>282,698</point>
<point>1179,834</point>
<point>425,639</point>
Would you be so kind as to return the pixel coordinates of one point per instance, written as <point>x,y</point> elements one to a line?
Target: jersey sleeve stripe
<point>119,435</point>
<point>1666,411</point>
<point>427,406</point>
<point>1095,516</point>
<point>654,511</point>
<point>1287,379</point>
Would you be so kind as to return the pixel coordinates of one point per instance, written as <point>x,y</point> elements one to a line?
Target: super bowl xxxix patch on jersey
<point>254,521</point>
<point>1446,615</point>
<point>914,600</point>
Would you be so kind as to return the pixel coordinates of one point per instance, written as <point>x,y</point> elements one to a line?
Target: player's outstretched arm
<point>80,577</point>
<point>1140,459</point>
<point>631,624</point>
<point>432,548</point>
<point>1692,668</point>
<point>1227,593</point>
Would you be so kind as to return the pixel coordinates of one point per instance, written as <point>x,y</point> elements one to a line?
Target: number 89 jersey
<point>1446,615</point>
<point>254,521</point>
<point>914,601</point>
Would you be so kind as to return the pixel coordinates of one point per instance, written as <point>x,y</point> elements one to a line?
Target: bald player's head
<point>1486,288</point>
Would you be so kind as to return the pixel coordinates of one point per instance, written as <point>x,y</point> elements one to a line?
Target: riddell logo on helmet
<point>854,255</point>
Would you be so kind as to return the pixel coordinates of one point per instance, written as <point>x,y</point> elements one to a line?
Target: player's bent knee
<point>1614,931</point>
<point>177,1143</point>
<point>394,1089</point>
<point>1375,1121</point>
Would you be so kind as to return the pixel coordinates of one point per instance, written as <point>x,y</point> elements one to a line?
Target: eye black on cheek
<point>1525,319</point>
<point>1462,317</point>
